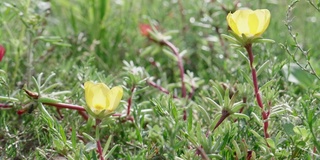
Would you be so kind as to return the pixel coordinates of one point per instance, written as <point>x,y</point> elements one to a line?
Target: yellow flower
<point>101,100</point>
<point>250,23</point>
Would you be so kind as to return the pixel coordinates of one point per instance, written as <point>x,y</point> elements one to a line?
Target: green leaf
<point>50,38</point>
<point>296,75</point>
<point>170,54</point>
<point>106,147</point>
<point>62,44</point>
<point>216,105</point>
<point>257,119</point>
<point>256,135</point>
<point>263,67</point>
<point>111,151</point>
<point>226,99</point>
<point>62,134</point>
<point>245,57</point>
<point>271,143</point>
<point>57,143</point>
<point>88,137</point>
<point>190,118</point>
<point>241,115</point>
<point>263,40</point>
<point>48,100</point>
<point>205,114</point>
<point>247,78</point>
<point>302,132</point>
<point>266,85</point>
<point>37,85</point>
<point>91,146</point>
<point>218,93</point>
<point>288,129</point>
<point>237,106</point>
<point>46,114</point>
<point>237,148</point>
<point>2,98</point>
<point>231,39</point>
<point>47,80</point>
<point>74,138</point>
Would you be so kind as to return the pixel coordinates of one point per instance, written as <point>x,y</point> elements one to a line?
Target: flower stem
<point>181,69</point>
<point>264,114</point>
<point>160,88</point>
<point>65,105</point>
<point>180,65</point>
<point>5,105</point>
<point>80,109</point>
<point>203,154</point>
<point>130,100</point>
<point>83,114</point>
<point>225,113</point>
<point>98,140</point>
<point>100,149</point>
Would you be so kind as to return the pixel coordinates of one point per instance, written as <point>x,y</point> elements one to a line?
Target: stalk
<point>264,114</point>
<point>98,140</point>
<point>180,65</point>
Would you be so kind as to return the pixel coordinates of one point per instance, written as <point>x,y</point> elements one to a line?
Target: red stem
<point>192,92</point>
<point>130,100</point>
<point>203,154</point>
<point>224,115</point>
<point>264,114</point>
<point>100,150</point>
<point>65,105</point>
<point>80,109</point>
<point>5,105</point>
<point>83,114</point>
<point>180,65</point>
<point>160,88</point>
<point>181,69</point>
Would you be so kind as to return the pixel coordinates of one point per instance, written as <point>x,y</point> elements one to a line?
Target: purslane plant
<point>247,26</point>
<point>101,103</point>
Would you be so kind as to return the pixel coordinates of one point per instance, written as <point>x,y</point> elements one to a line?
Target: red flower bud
<point>2,52</point>
<point>144,29</point>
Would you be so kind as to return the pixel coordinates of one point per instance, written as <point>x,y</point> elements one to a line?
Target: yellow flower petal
<point>96,96</point>
<point>253,22</point>
<point>88,93</point>
<point>241,19</point>
<point>264,15</point>
<point>100,98</point>
<point>232,24</point>
<point>115,97</point>
<point>248,22</point>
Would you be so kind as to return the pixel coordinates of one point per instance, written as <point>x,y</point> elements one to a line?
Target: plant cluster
<point>114,79</point>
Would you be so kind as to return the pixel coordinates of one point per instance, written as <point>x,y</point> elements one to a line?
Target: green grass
<point>53,47</point>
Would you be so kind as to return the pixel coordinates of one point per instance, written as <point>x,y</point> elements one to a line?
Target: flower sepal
<point>103,114</point>
<point>263,40</point>
<point>232,39</point>
<point>242,41</point>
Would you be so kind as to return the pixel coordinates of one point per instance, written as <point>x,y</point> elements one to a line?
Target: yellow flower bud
<point>250,23</point>
<point>101,100</point>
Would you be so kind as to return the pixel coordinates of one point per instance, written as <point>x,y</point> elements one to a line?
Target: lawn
<point>188,86</point>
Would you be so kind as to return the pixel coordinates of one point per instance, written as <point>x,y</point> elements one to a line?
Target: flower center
<point>98,107</point>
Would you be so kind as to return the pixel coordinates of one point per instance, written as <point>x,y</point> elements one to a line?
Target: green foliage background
<point>65,43</point>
